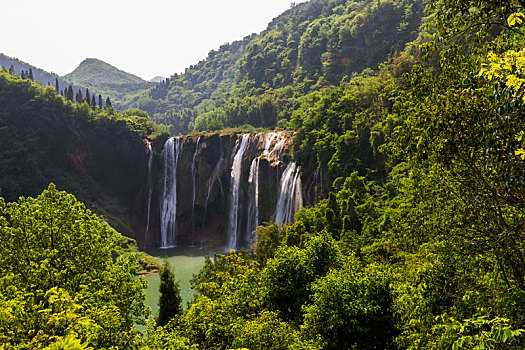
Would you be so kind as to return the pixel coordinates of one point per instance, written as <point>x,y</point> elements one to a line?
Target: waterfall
<point>150,190</point>
<point>253,203</point>
<point>168,226</point>
<point>268,139</point>
<point>193,173</point>
<point>277,150</point>
<point>235,182</point>
<point>290,195</point>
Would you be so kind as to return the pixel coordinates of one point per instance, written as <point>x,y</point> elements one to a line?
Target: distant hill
<point>156,79</point>
<point>123,88</point>
<point>39,75</point>
<point>95,72</point>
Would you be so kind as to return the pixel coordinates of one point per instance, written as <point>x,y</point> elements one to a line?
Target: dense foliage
<point>258,80</point>
<point>419,242</point>
<point>61,279</point>
<point>46,139</point>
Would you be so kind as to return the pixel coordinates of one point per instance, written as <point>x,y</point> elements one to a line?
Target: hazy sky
<point>143,37</point>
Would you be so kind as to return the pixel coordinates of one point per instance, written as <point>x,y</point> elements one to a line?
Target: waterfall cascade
<point>168,224</point>
<point>233,223</point>
<point>253,180</point>
<point>193,174</point>
<point>267,190</point>
<point>290,195</point>
<point>150,191</point>
<point>253,200</point>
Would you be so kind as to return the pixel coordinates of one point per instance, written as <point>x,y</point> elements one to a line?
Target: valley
<point>351,177</point>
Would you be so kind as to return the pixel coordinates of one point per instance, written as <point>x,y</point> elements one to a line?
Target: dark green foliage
<point>170,301</point>
<point>287,279</point>
<point>352,308</point>
<point>53,140</point>
<point>260,79</point>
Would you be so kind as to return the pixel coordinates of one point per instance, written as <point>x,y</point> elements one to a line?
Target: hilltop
<point>95,72</point>
<point>96,75</point>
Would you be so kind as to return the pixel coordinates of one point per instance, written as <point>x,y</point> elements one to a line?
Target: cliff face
<point>204,189</point>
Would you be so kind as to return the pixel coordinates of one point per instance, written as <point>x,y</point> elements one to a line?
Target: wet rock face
<point>204,189</point>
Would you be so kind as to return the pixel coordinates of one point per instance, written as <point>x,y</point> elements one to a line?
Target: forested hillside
<point>420,243</point>
<point>90,151</point>
<point>417,242</point>
<point>99,76</point>
<point>29,71</point>
<point>258,80</point>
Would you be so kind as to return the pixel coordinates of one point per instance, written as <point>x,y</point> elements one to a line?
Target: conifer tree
<point>93,102</point>
<point>69,93</point>
<point>57,87</point>
<point>88,97</point>
<point>30,75</point>
<point>11,69</point>
<point>79,97</point>
<point>170,301</point>
<point>100,103</point>
<point>108,103</point>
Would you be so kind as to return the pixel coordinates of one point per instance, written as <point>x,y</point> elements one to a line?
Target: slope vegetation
<point>257,80</point>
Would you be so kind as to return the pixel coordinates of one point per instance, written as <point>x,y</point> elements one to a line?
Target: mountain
<point>95,72</point>
<point>311,46</point>
<point>108,80</point>
<point>157,79</point>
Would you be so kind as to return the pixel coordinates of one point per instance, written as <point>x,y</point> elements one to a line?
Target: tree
<point>57,87</point>
<point>61,261</point>
<point>30,75</point>
<point>352,309</point>
<point>93,102</point>
<point>88,97</point>
<point>170,301</point>
<point>108,103</point>
<point>11,69</point>
<point>69,94</point>
<point>100,103</point>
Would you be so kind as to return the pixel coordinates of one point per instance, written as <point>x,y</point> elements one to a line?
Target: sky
<point>143,37</point>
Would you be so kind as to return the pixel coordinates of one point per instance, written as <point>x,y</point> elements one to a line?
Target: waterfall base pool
<point>185,262</point>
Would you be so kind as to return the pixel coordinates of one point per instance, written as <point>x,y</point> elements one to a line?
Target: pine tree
<point>93,102</point>
<point>69,93</point>
<point>79,97</point>
<point>88,97</point>
<point>108,103</point>
<point>30,75</point>
<point>170,301</point>
<point>100,103</point>
<point>11,69</point>
<point>57,87</point>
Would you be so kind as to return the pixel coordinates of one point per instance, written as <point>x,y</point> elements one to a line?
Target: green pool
<point>185,262</point>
